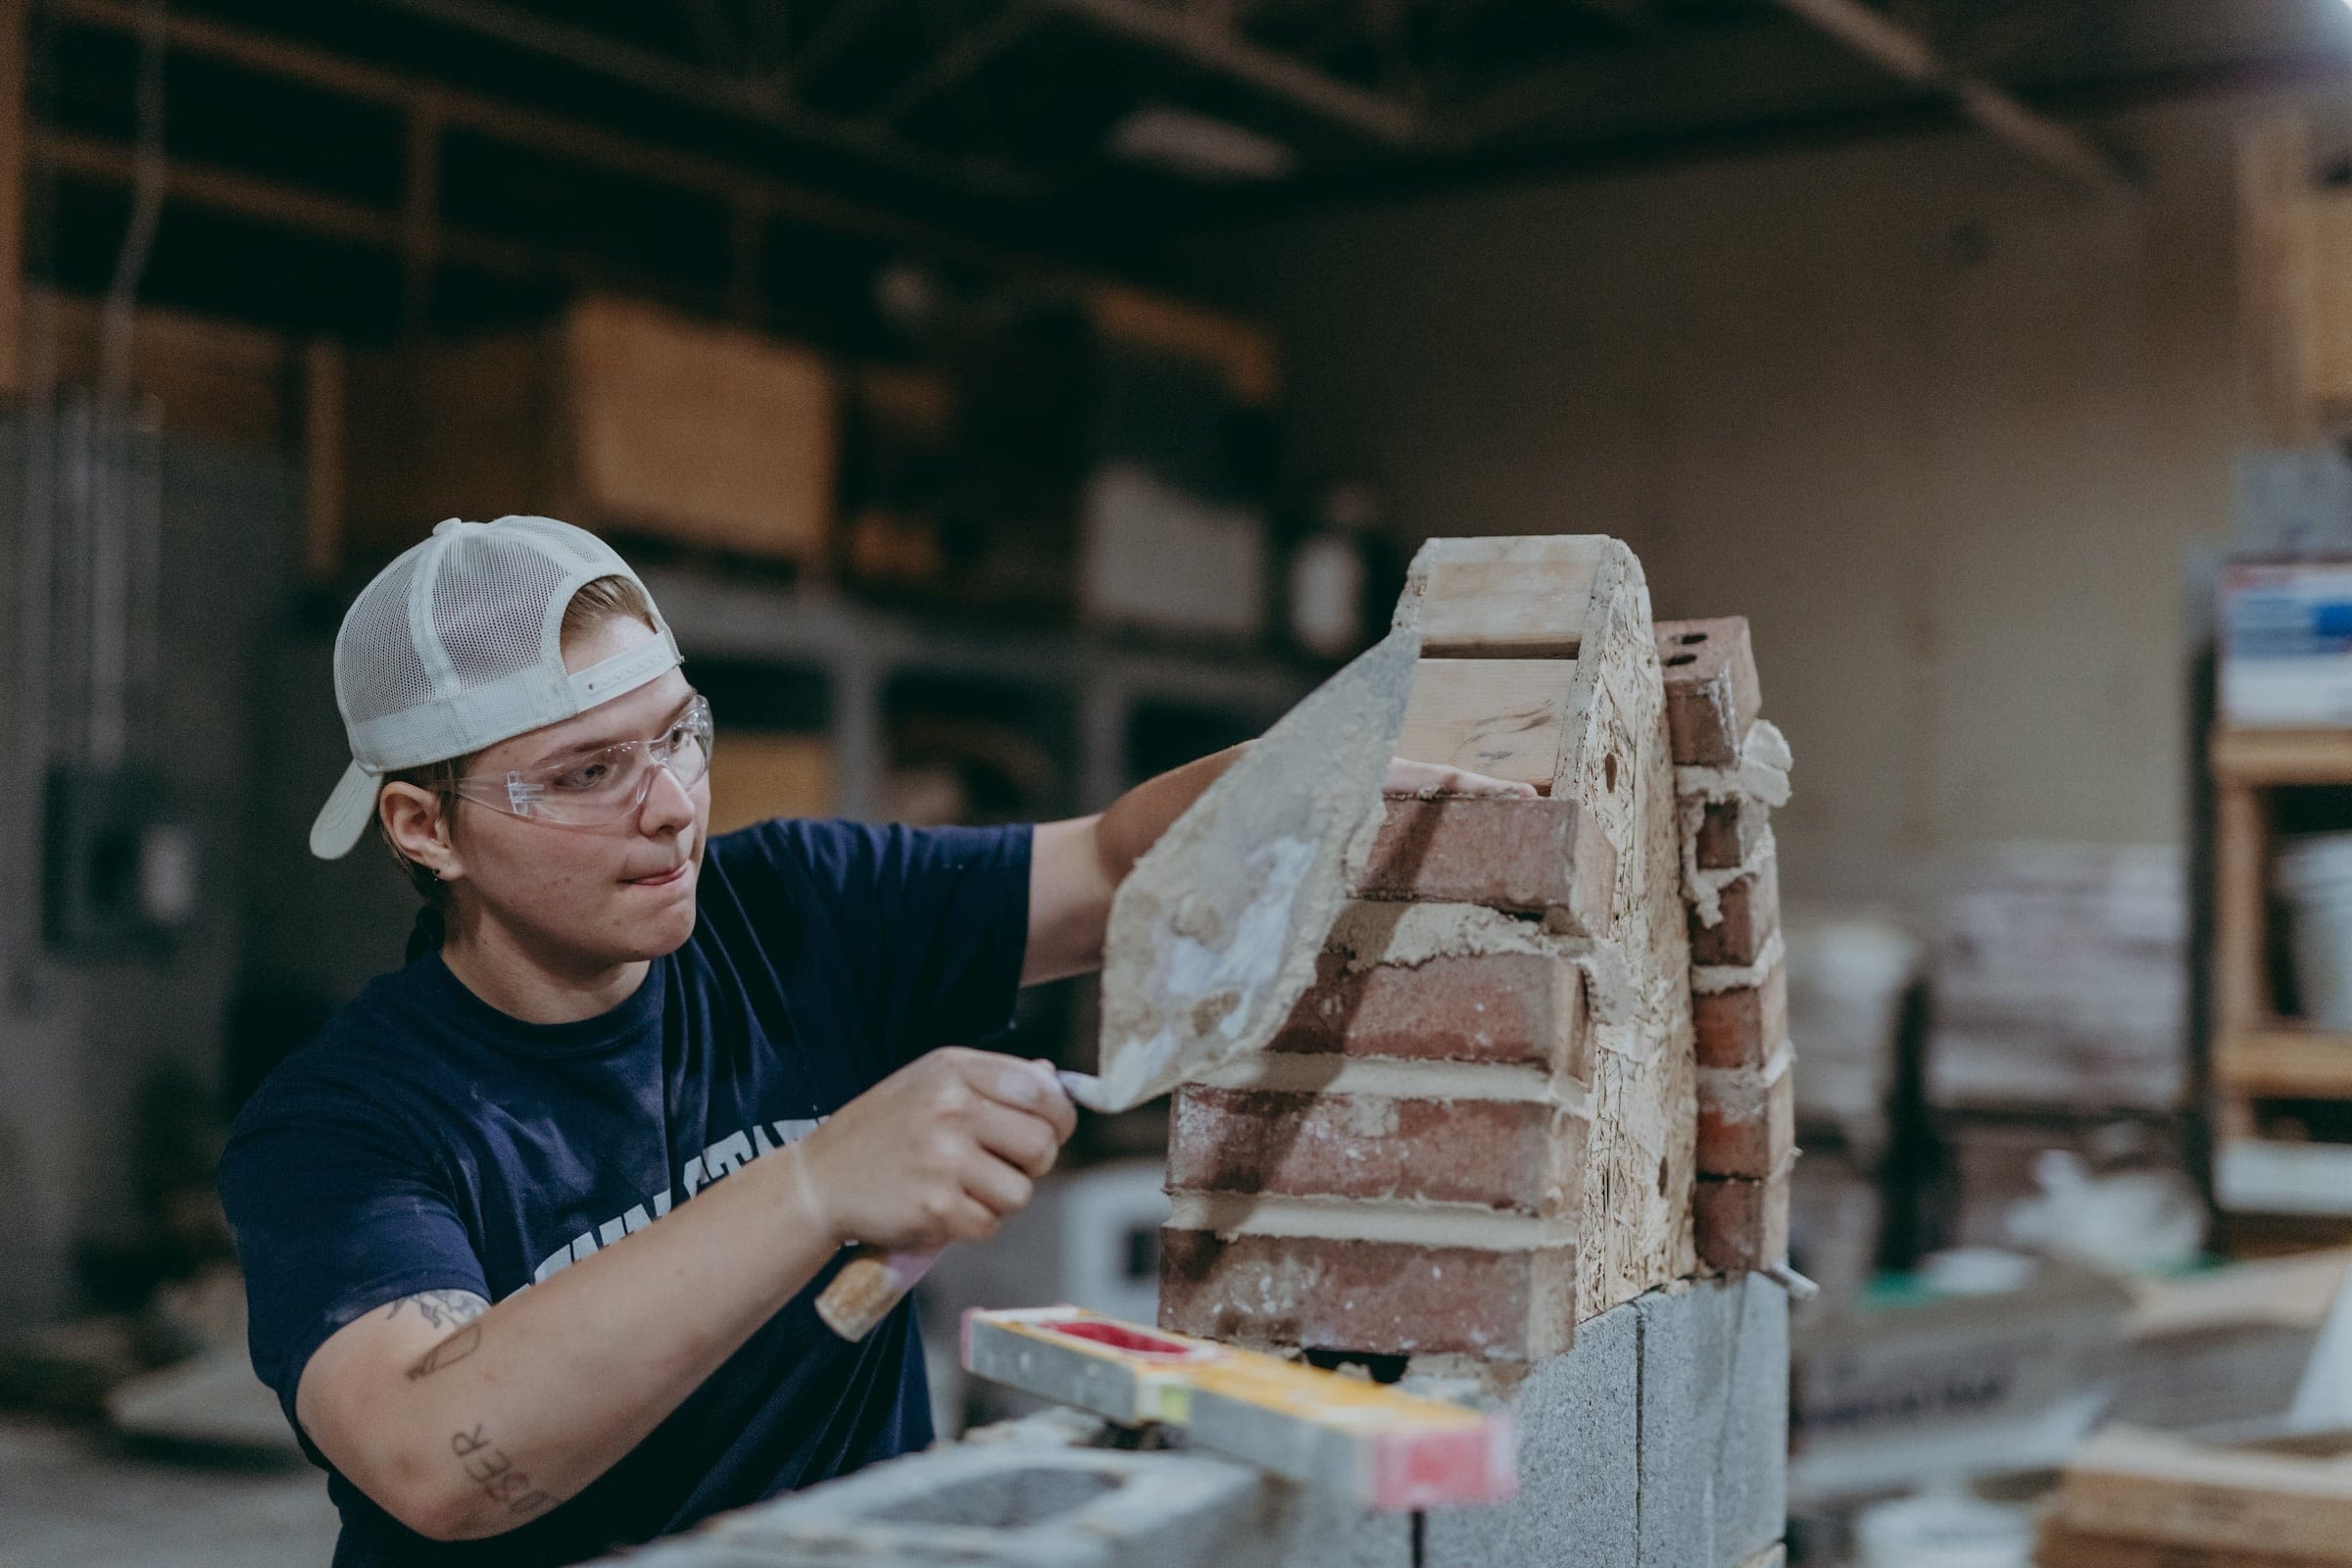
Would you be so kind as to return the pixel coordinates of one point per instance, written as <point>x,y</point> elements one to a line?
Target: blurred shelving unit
<point>2266,1063</point>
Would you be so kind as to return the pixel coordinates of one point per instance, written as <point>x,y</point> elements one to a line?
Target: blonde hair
<point>595,603</point>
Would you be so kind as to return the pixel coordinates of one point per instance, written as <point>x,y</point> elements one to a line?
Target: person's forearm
<point>1134,822</point>
<point>540,1395</point>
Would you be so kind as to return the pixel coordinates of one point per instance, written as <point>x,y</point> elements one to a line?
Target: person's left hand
<point>1436,778</point>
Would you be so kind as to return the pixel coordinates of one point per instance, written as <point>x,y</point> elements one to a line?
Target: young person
<point>568,1102</point>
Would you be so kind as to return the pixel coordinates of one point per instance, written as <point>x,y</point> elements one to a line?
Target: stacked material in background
<point>2140,1499</point>
<point>2061,980</point>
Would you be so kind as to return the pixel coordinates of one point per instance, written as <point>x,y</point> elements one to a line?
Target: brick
<point>1522,1155</point>
<point>1751,914</point>
<point>1742,1028</point>
<point>1742,1224</point>
<point>1530,857</point>
<point>1729,831</point>
<point>1712,694</point>
<point>1746,1121</point>
<point>1518,1008</point>
<point>1382,1298</point>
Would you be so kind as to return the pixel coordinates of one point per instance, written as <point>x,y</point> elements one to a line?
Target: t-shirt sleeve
<point>334,1214</point>
<point>933,922</point>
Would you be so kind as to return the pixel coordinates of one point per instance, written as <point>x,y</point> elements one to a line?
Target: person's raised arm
<point>1076,866</point>
<point>465,1420</point>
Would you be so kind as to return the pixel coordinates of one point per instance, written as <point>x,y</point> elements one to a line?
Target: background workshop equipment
<point>1881,470</point>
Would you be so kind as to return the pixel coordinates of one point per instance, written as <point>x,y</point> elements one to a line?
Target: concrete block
<point>1750,910</point>
<point>1741,1028</point>
<point>1579,1467</point>
<point>1712,692</point>
<point>1017,1505</point>
<point>1515,1007</point>
<point>1714,1422</point>
<point>1534,856</point>
<point>1504,1303</point>
<point>1518,1155</point>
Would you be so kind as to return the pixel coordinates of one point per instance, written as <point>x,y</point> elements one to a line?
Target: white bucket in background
<point>1942,1532</point>
<point>2315,876</point>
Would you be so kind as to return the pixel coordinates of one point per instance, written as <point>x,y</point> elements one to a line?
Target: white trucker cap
<point>458,645</point>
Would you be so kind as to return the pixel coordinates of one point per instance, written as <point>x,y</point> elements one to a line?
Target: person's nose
<point>669,805</point>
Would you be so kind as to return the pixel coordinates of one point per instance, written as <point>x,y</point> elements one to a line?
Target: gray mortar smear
<point>1214,935</point>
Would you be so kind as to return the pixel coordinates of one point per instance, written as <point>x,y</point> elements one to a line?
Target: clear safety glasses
<point>606,785</point>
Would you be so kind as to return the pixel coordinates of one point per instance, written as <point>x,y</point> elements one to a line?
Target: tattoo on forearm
<point>456,1348</point>
<point>489,1467</point>
<point>441,1309</point>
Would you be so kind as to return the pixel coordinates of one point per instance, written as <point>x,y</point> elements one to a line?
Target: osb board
<point>1635,1230</point>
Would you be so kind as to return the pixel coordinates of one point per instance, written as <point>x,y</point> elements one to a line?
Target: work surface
<point>72,1501</point>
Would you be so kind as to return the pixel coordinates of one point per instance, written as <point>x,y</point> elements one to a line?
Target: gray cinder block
<point>1714,1422</point>
<point>1579,1473</point>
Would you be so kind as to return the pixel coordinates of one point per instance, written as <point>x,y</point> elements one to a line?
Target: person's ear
<point>414,819</point>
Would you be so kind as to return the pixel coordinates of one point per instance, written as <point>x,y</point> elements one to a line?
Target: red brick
<point>1500,1006</point>
<point>1508,1154</point>
<point>1712,694</point>
<point>1729,831</point>
<point>1742,1028</point>
<point>1384,1297</point>
<point>1746,1123</point>
<point>1751,914</point>
<point>1533,856</point>
<point>1742,1224</point>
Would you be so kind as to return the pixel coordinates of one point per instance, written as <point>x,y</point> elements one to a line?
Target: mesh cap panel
<point>491,600</point>
<point>377,670</point>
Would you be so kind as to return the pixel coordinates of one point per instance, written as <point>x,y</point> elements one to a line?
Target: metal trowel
<point>1214,935</point>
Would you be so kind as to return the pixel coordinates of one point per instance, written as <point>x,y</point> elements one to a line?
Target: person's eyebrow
<point>582,748</point>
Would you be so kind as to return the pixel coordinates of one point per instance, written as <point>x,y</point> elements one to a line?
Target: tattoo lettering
<point>456,1348</point>
<point>442,1310</point>
<point>489,1467</point>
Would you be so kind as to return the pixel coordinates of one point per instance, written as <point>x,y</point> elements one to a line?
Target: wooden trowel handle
<point>875,1279</point>
<point>872,1281</point>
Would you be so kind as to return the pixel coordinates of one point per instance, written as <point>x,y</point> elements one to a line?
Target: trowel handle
<point>875,1279</point>
<point>872,1281</point>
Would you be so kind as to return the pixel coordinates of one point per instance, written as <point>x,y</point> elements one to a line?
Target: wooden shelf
<point>2258,756</point>
<point>2283,1062</point>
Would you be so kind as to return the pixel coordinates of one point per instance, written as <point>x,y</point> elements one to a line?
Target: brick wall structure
<point>1479,1126</point>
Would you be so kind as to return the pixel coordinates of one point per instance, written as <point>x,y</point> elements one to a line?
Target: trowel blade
<point>1214,935</point>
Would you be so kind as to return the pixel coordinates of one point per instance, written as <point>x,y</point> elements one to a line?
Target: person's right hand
<point>941,1150</point>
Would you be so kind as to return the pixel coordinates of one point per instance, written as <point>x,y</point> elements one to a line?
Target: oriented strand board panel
<point>1497,716</point>
<point>708,435</point>
<point>1504,598</point>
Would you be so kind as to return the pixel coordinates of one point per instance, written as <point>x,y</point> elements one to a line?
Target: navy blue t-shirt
<point>426,1141</point>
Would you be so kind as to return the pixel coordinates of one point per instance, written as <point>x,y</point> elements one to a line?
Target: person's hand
<point>941,1150</point>
<point>1436,778</point>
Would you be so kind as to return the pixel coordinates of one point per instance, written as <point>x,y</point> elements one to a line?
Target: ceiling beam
<point>1213,47</point>
<point>968,54</point>
<point>746,98</point>
<point>1904,54</point>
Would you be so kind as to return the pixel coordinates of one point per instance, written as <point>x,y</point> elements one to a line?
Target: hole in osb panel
<point>1662,1176</point>
<point>1688,638</point>
<point>1678,661</point>
<point>1608,771</point>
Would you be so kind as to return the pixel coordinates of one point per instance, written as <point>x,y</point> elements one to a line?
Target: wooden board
<point>2247,756</point>
<point>1242,352</point>
<point>2143,1486</point>
<point>217,380</point>
<point>1505,597</point>
<point>708,435</point>
<point>1497,716</point>
<point>2284,1062</point>
<point>2062,1546</point>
